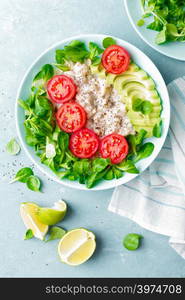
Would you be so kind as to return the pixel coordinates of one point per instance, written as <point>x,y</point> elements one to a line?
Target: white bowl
<point>139,58</point>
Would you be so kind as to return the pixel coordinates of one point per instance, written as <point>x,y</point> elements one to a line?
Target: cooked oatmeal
<point>105,112</point>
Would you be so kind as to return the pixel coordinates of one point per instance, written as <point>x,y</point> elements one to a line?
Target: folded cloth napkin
<point>156,199</point>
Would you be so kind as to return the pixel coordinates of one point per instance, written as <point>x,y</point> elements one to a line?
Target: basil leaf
<point>13,147</point>
<point>22,175</point>
<point>137,104</point>
<point>76,52</point>
<point>117,173</point>
<point>99,164</point>
<point>144,151</point>
<point>33,183</point>
<point>96,60</point>
<point>140,136</point>
<point>157,130</point>
<point>28,235</point>
<point>109,175</point>
<point>94,178</point>
<point>42,106</point>
<point>63,140</point>
<point>108,41</point>
<point>62,67</point>
<point>161,36</point>
<point>95,50</point>
<point>146,107</point>
<point>140,22</point>
<point>127,166</point>
<point>132,241</point>
<point>60,56</point>
<point>55,233</point>
<point>82,167</point>
<point>45,73</point>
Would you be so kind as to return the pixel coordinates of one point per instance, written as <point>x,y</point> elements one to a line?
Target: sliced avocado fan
<point>134,84</point>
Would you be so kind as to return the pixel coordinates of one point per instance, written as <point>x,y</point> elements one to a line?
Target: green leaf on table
<point>108,41</point>
<point>55,233</point>
<point>22,175</point>
<point>132,241</point>
<point>28,235</point>
<point>13,147</point>
<point>33,183</point>
<point>140,22</point>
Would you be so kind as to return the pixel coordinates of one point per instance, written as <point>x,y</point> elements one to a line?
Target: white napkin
<point>156,199</point>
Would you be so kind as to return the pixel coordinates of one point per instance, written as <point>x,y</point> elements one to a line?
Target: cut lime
<point>28,213</point>
<point>51,216</point>
<point>76,246</point>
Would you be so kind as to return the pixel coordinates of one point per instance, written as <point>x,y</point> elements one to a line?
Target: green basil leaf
<point>96,60</point>
<point>117,173</point>
<point>33,183</point>
<point>99,164</point>
<point>82,167</point>
<point>127,166</point>
<point>42,106</point>
<point>161,36</point>
<point>137,104</point>
<point>109,175</point>
<point>144,151</point>
<point>60,56</point>
<point>95,50</point>
<point>146,107</point>
<point>45,73</point>
<point>108,41</point>
<point>132,241</point>
<point>13,147</point>
<point>22,175</point>
<point>28,235</point>
<point>94,178</point>
<point>55,233</point>
<point>63,140</point>
<point>157,130</point>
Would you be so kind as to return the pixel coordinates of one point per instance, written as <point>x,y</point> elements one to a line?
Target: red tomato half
<point>115,147</point>
<point>115,59</point>
<point>84,143</point>
<point>71,117</point>
<point>61,88</point>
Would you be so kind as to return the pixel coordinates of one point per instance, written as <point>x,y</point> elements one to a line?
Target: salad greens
<point>22,175</point>
<point>28,234</point>
<point>168,19</point>
<point>33,183</point>
<point>55,232</point>
<point>26,175</point>
<point>13,147</point>
<point>108,41</point>
<point>132,241</point>
<point>157,130</point>
<point>51,144</point>
<point>143,106</point>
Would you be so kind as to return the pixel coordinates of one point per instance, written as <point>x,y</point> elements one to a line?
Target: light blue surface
<point>27,28</point>
<point>134,10</point>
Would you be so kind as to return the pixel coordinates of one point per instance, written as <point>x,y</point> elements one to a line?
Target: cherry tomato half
<point>84,143</point>
<point>115,59</point>
<point>71,117</point>
<point>61,88</point>
<point>115,147</point>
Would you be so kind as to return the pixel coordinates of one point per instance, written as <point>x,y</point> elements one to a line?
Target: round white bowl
<point>139,58</point>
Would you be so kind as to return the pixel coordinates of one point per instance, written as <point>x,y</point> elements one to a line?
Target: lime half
<point>76,246</point>
<point>53,215</point>
<point>28,213</point>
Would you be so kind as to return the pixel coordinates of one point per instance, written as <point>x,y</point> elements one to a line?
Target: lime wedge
<point>76,246</point>
<point>28,213</point>
<point>51,216</point>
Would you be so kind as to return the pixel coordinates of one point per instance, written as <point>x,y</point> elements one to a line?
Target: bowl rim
<point>136,28</point>
<point>69,183</point>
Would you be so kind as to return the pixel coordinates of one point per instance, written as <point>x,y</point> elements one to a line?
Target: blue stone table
<point>28,28</point>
